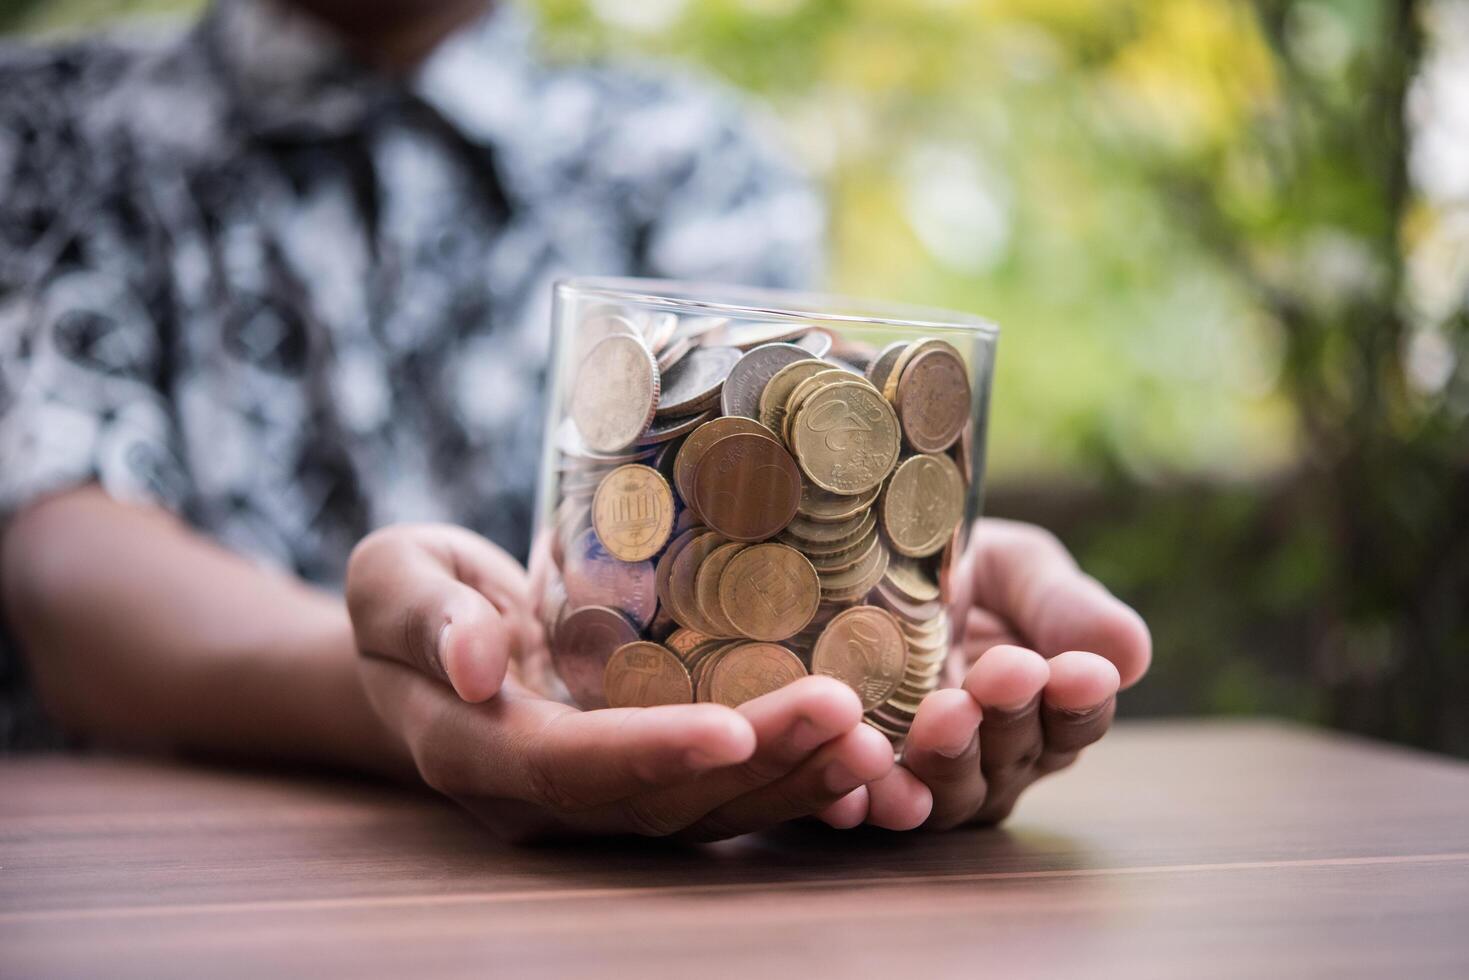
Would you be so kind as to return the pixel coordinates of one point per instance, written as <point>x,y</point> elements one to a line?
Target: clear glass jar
<point>741,486</point>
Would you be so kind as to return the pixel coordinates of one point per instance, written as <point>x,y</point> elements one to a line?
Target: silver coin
<point>818,342</point>
<point>748,378</point>
<point>694,381</point>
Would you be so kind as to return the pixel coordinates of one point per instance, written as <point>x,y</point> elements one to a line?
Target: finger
<point>407,605</point>
<point>839,767</point>
<point>1076,706</point>
<point>551,755</point>
<point>491,571</point>
<point>1007,682</point>
<point>847,812</point>
<point>943,751</point>
<point>1026,576</point>
<point>789,725</point>
<point>898,801</point>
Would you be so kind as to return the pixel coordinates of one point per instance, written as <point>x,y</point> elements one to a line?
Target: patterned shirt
<point>291,299</point>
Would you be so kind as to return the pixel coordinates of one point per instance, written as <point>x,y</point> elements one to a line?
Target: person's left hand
<point>1043,652</point>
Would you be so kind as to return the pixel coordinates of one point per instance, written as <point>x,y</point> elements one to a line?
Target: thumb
<point>410,597</point>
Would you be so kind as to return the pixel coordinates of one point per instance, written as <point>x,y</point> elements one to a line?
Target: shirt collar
<point>291,77</point>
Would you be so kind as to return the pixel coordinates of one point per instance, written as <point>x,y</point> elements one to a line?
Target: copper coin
<point>684,641</point>
<point>706,587</point>
<point>617,391</point>
<point>864,649</point>
<point>769,591</point>
<point>693,384</point>
<point>751,373</point>
<point>923,504</point>
<point>699,442</point>
<point>581,645</point>
<point>779,388</point>
<point>643,674</point>
<point>933,398</point>
<point>746,487</point>
<point>845,437</point>
<point>595,578</point>
<point>664,569</point>
<point>682,601</point>
<point>633,512</point>
<point>748,670</point>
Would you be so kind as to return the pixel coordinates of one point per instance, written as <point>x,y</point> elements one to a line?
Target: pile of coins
<point>740,505</point>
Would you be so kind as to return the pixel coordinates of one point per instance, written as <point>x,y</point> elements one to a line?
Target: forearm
<point>141,632</point>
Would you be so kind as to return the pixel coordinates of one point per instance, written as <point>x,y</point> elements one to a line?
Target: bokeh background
<point>1228,244</point>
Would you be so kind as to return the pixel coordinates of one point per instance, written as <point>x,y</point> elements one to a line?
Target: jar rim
<point>773,304</point>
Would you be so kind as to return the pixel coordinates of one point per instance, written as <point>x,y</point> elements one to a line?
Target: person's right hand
<point>441,615</point>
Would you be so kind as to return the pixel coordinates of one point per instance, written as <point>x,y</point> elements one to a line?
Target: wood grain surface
<point>1172,850</point>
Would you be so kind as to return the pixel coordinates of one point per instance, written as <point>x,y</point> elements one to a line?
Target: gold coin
<point>857,581</point>
<point>643,674</point>
<point>748,670</point>
<point>845,438</point>
<point>923,504</point>
<point>633,512</point>
<point>769,591</point>
<point>840,561</point>
<point>912,580</point>
<point>864,649</point>
<point>822,507</point>
<point>706,587</point>
<point>773,396</point>
<point>837,534</point>
<point>807,388</point>
<point>616,393</point>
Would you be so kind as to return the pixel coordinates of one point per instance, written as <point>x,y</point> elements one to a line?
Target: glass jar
<point>740,487</point>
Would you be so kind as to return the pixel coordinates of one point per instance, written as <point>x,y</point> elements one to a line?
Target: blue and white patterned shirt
<point>292,299</point>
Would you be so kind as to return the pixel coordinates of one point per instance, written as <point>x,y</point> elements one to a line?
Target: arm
<point>141,632</point>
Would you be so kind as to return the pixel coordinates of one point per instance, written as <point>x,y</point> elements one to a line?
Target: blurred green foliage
<point>1234,368</point>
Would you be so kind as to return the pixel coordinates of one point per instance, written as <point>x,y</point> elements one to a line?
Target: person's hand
<point>1044,650</point>
<point>441,617</point>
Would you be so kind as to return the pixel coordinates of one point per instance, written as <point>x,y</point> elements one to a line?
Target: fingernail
<point>1016,709</point>
<point>840,779</point>
<point>699,759</point>
<point>1083,714</point>
<point>958,749</point>
<point>441,652</point>
<point>805,736</point>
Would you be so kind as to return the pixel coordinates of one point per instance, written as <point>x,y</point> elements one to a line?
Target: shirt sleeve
<point>729,204</point>
<point>81,358</point>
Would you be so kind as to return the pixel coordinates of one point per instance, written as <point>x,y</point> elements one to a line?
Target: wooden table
<point>1173,850</point>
